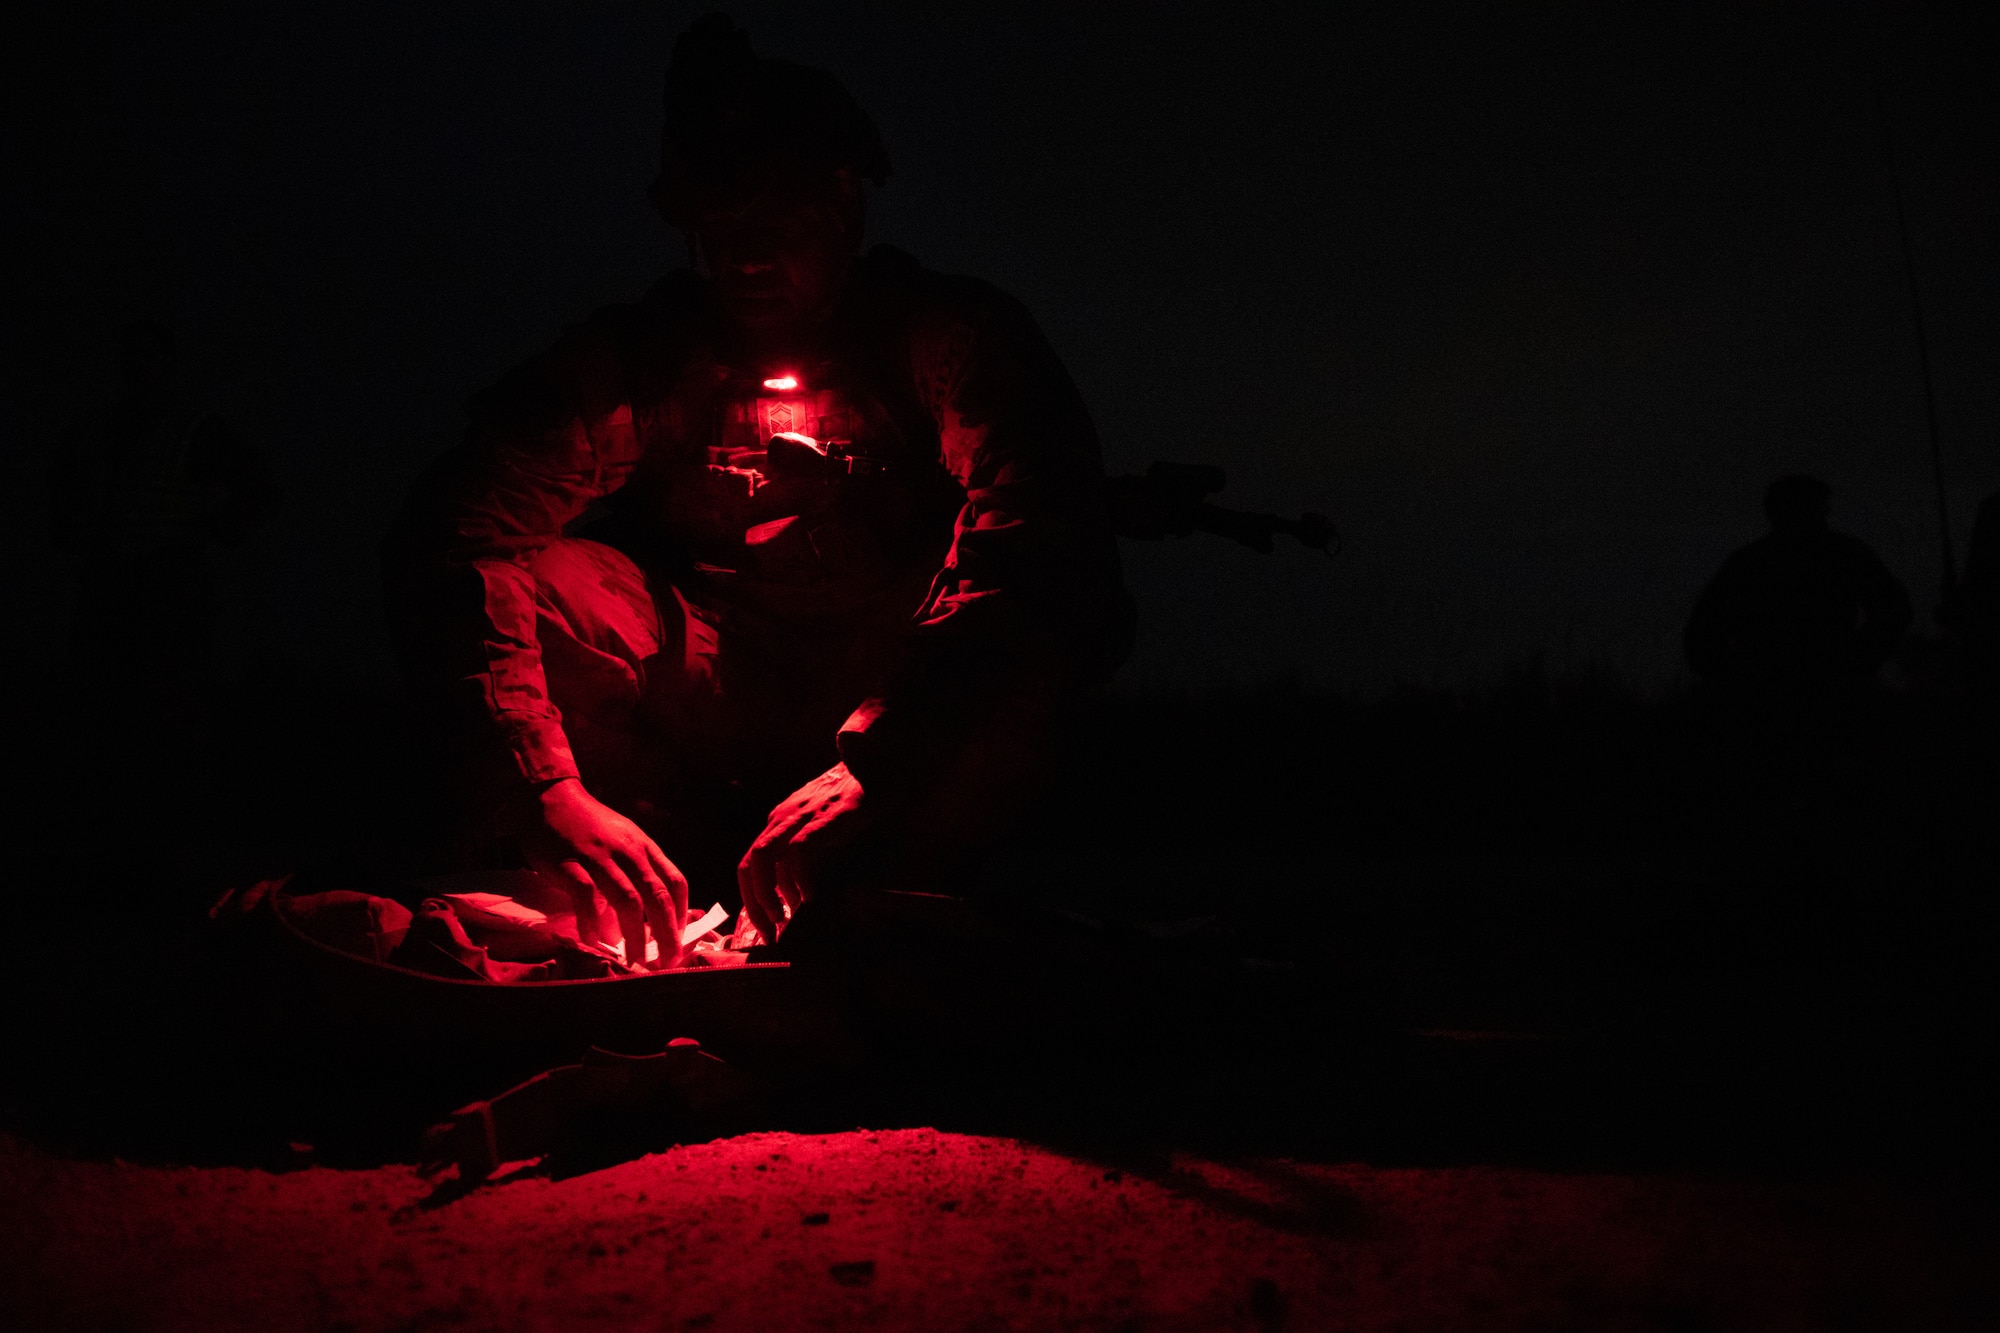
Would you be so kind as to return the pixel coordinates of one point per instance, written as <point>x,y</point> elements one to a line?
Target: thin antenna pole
<point>1923,345</point>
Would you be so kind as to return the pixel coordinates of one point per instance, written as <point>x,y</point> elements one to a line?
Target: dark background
<point>1533,299</point>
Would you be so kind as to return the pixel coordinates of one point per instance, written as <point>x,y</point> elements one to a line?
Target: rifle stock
<point>1171,500</point>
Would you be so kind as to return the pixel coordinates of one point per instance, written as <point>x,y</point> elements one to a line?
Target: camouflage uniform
<point>613,577</point>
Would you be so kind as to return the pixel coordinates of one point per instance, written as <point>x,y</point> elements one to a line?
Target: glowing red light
<point>782,383</point>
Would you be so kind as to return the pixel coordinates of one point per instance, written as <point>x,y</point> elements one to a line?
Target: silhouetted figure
<point>141,493</point>
<point>1803,613</point>
<point>808,521</point>
<point>1972,612</point>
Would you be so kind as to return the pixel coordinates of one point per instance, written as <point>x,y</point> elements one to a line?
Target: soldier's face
<point>778,258</point>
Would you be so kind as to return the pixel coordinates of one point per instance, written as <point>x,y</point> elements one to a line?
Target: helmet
<point>731,113</point>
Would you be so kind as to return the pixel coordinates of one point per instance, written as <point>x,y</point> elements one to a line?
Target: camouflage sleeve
<point>552,436</point>
<point>1029,602</point>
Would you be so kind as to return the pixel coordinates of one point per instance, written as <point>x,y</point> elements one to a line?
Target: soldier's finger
<point>757,900</point>
<point>670,875</point>
<point>630,906</point>
<point>791,881</point>
<point>575,881</point>
<point>767,866</point>
<point>805,874</point>
<point>661,916</point>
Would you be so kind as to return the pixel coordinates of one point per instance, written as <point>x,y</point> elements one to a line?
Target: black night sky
<point>1532,301</point>
<point>1406,941</point>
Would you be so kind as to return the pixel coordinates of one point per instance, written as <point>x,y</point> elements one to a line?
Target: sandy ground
<point>1825,1058</point>
<point>918,1229</point>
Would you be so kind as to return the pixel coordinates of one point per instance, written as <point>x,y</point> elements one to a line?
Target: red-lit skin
<point>778,259</point>
<point>589,848</point>
<point>777,875</point>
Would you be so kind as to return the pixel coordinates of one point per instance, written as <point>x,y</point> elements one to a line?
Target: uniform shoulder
<point>1749,560</point>
<point>969,345</point>
<point>1856,554</point>
<point>594,363</point>
<point>668,308</point>
<point>927,293</point>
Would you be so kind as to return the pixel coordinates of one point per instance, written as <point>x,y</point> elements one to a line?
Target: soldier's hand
<point>780,871</point>
<point>590,849</point>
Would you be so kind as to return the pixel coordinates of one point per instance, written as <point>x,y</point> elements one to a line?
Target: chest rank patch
<point>783,429</point>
